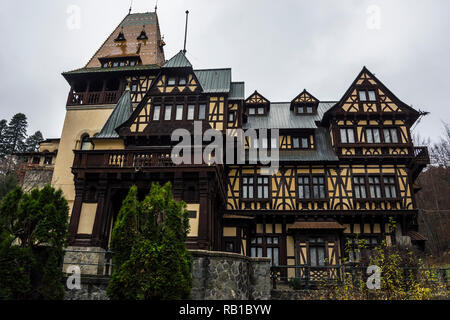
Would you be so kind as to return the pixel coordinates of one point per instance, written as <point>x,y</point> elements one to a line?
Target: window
<point>202,112</point>
<point>311,187</point>
<point>132,63</point>
<point>122,63</point>
<point>264,143</point>
<point>247,187</point>
<point>389,187</point>
<point>362,96</point>
<point>261,110</point>
<point>309,110</point>
<point>182,81</point>
<point>390,135</point>
<point>156,113</point>
<point>295,143</point>
<point>263,187</point>
<point>300,142</point>
<point>168,113</point>
<point>48,160</point>
<point>179,113</point>
<point>317,252</point>
<point>373,135</point>
<point>231,115</point>
<point>85,143</point>
<point>304,143</point>
<point>251,110</point>
<point>318,187</point>
<point>273,143</point>
<point>347,135</point>
<point>191,111</point>
<point>134,87</point>
<point>172,81</point>
<point>303,187</point>
<point>256,249</point>
<point>229,246</point>
<point>359,187</point>
<point>300,110</point>
<point>36,160</point>
<point>272,250</point>
<point>367,95</point>
<point>374,187</point>
<point>115,64</point>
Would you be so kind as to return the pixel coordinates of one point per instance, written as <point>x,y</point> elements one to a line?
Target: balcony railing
<point>421,154</point>
<point>127,159</point>
<point>90,98</point>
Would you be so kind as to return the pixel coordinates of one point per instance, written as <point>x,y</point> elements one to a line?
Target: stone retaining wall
<point>229,276</point>
<point>216,276</point>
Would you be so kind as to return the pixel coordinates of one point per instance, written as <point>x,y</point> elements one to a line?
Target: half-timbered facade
<point>347,168</point>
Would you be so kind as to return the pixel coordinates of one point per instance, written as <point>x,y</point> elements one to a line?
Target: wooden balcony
<point>92,98</point>
<point>420,161</point>
<point>130,160</point>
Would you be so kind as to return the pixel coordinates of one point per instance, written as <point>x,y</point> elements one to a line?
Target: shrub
<point>33,234</point>
<point>151,260</point>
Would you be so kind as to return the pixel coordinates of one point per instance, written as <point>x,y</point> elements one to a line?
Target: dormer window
<point>120,37</point>
<point>304,104</point>
<point>300,143</point>
<point>143,35</point>
<point>172,81</point>
<point>256,104</point>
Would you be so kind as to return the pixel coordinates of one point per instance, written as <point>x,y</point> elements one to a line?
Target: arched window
<point>85,142</point>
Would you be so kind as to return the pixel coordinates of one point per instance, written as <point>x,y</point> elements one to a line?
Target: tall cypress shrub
<point>158,265</point>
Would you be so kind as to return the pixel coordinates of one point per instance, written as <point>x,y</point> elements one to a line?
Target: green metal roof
<point>120,114</point>
<point>116,69</point>
<point>178,61</point>
<point>323,151</point>
<point>214,80</point>
<point>282,117</point>
<point>237,91</point>
<point>139,19</point>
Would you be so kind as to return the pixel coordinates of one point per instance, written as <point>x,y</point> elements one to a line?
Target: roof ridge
<point>212,69</point>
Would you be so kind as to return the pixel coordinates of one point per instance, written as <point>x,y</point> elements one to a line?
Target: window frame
<point>310,187</point>
<point>347,130</point>
<point>372,130</point>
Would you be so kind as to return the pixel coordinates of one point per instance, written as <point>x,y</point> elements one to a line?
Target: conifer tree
<point>33,141</point>
<point>16,133</point>
<point>3,146</point>
<point>158,266</point>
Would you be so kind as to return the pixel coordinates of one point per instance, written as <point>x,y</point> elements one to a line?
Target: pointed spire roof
<point>120,114</point>
<point>178,61</point>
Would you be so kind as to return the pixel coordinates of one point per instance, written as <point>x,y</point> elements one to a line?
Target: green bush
<point>151,261</point>
<point>33,234</point>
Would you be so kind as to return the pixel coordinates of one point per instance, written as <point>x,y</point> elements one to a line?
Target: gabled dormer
<point>177,76</point>
<point>368,97</point>
<point>305,104</point>
<point>257,105</point>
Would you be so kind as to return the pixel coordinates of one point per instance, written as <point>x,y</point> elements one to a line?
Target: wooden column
<point>100,214</point>
<point>76,212</point>
<point>203,221</point>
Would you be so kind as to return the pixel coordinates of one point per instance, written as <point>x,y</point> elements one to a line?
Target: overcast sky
<point>276,47</point>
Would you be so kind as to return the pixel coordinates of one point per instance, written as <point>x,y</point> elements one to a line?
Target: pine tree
<point>3,146</point>
<point>33,141</point>
<point>16,133</point>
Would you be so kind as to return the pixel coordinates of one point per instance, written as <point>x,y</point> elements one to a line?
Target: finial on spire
<point>156,6</point>
<point>131,6</point>
<point>185,31</point>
